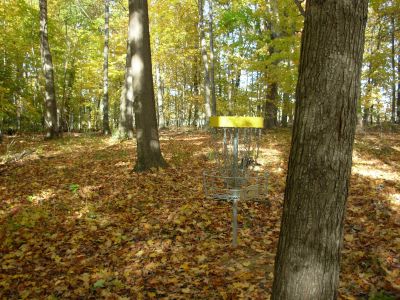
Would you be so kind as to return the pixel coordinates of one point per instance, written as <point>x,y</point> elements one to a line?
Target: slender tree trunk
<point>18,94</point>
<point>196,92</point>
<point>393,60</point>
<point>366,116</point>
<point>148,145</point>
<point>106,122</point>
<point>285,110</point>
<point>47,64</point>
<point>371,115</point>
<point>62,122</point>
<point>271,101</point>
<point>63,99</point>
<point>271,110</point>
<point>212,76</point>
<point>160,98</point>
<point>367,106</point>
<point>328,87</point>
<point>207,84</point>
<point>398,89</point>
<point>126,104</point>
<point>230,91</point>
<point>70,84</point>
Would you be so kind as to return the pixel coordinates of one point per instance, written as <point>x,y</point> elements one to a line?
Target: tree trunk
<point>366,116</point>
<point>398,89</point>
<point>285,109</point>
<point>393,60</point>
<point>148,145</point>
<point>106,123</point>
<point>328,87</point>
<point>207,90</point>
<point>196,91</point>
<point>367,106</point>
<point>212,76</point>
<point>50,115</point>
<point>271,111</point>
<point>61,120</point>
<point>160,98</point>
<point>126,104</point>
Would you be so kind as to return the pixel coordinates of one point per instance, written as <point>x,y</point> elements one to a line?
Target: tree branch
<point>301,9</point>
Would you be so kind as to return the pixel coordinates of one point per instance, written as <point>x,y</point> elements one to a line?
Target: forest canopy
<point>252,61</point>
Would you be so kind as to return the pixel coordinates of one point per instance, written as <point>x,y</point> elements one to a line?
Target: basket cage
<point>236,176</point>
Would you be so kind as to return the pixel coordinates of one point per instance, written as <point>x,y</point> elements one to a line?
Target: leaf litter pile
<point>76,222</point>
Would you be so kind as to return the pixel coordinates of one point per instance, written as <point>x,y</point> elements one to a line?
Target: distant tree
<point>398,89</point>
<point>328,87</point>
<point>148,145</point>
<point>50,116</point>
<point>212,68</point>
<point>271,97</point>
<point>204,56</point>
<point>126,104</point>
<point>160,98</point>
<point>393,66</point>
<point>106,123</point>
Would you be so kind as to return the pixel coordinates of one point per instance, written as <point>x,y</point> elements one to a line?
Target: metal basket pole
<point>235,199</point>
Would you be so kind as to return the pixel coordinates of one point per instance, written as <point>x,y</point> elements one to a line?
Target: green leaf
<point>99,284</point>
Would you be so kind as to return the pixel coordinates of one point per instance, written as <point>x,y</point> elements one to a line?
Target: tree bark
<point>106,122</point>
<point>160,98</point>
<point>148,145</point>
<point>328,87</point>
<point>393,61</point>
<point>398,89</point>
<point>367,106</point>
<point>285,109</point>
<point>207,84</point>
<point>126,104</point>
<point>271,101</point>
<point>271,111</point>
<point>196,91</point>
<point>212,75</point>
<point>61,120</point>
<point>50,116</point>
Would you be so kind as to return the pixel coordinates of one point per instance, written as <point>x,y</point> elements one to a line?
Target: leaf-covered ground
<point>76,222</point>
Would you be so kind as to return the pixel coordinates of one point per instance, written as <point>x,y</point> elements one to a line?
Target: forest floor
<point>76,222</point>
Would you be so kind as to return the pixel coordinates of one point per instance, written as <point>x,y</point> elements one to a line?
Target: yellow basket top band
<point>236,122</point>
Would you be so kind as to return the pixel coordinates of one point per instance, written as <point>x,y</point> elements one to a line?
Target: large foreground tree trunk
<point>106,122</point>
<point>50,114</point>
<point>307,261</point>
<point>148,145</point>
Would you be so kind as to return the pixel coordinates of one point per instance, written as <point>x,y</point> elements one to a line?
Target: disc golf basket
<point>235,177</point>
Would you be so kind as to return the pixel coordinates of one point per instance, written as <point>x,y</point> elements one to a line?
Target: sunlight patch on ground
<point>374,173</point>
<point>373,168</point>
<point>41,197</point>
<point>395,200</point>
<point>270,156</point>
<point>357,159</point>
